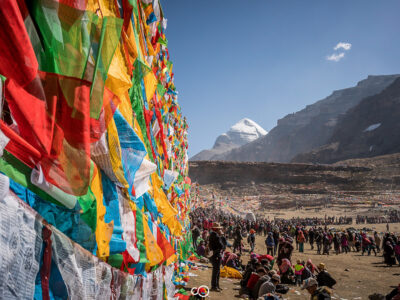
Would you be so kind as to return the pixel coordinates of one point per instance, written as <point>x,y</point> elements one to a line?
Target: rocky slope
<point>243,132</point>
<point>369,129</point>
<point>283,184</point>
<point>309,128</point>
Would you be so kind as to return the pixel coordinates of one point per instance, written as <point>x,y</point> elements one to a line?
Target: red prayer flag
<point>15,45</point>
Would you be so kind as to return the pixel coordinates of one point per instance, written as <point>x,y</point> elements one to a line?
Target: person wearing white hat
<point>317,293</point>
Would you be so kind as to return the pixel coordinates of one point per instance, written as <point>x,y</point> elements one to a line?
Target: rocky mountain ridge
<point>308,129</point>
<point>369,129</point>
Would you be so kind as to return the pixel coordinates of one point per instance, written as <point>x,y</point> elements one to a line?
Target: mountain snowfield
<point>243,132</point>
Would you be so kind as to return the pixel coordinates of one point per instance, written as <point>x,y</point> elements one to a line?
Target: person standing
<point>311,234</point>
<point>217,246</point>
<point>251,239</point>
<point>344,243</point>
<point>301,240</point>
<point>397,251</point>
<point>275,233</point>
<point>326,244</point>
<point>389,254</point>
<point>237,240</point>
<point>270,243</point>
<point>365,244</point>
<point>336,243</point>
<point>378,241</point>
<point>319,240</point>
<point>298,272</point>
<point>296,235</point>
<point>195,236</point>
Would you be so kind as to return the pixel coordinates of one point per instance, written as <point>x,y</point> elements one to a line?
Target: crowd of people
<point>222,238</point>
<point>390,217</point>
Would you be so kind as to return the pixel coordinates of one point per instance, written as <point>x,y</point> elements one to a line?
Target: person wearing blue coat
<point>270,243</point>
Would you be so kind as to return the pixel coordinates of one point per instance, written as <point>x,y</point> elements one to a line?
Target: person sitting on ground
<point>254,278</point>
<point>317,293</point>
<point>311,266</point>
<point>273,285</point>
<point>201,249</point>
<point>306,272</point>
<point>324,278</point>
<point>266,288</point>
<point>233,261</point>
<point>279,288</point>
<point>256,289</point>
<point>394,294</point>
<point>266,257</point>
<point>251,267</point>
<point>266,264</point>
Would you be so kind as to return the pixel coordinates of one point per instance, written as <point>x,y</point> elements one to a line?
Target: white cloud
<point>344,46</point>
<point>335,57</point>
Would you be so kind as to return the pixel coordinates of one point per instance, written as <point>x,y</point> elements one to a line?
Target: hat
<point>276,277</point>
<point>266,287</point>
<point>273,272</point>
<point>309,283</point>
<point>216,225</point>
<point>261,270</point>
<point>321,266</point>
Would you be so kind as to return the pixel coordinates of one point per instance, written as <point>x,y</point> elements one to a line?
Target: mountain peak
<point>247,125</point>
<point>243,132</point>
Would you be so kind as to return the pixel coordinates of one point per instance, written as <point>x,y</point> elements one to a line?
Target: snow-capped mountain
<point>243,132</point>
<point>313,126</point>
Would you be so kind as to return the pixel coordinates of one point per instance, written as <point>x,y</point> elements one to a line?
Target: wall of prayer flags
<point>94,167</point>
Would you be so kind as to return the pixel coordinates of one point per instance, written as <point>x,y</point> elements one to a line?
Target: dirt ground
<point>365,275</point>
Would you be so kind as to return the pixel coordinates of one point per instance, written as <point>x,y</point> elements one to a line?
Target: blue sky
<point>264,59</point>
